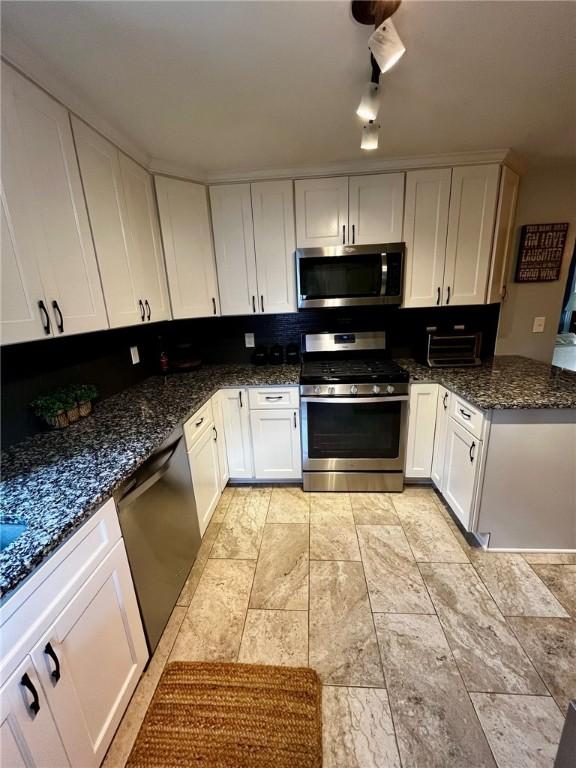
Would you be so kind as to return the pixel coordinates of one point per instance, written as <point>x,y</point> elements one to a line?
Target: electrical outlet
<point>134,354</point>
<point>539,325</point>
<point>249,339</point>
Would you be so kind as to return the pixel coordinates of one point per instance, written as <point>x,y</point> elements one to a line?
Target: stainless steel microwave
<point>350,275</point>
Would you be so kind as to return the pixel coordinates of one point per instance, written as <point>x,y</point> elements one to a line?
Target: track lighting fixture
<point>370,101</point>
<point>369,136</point>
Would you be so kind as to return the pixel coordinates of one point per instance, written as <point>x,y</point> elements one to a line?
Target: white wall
<point>546,196</point>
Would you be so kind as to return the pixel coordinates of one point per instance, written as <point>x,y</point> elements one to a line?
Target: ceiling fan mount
<point>373,12</point>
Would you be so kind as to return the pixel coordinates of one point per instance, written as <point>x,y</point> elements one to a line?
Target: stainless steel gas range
<point>354,408</point>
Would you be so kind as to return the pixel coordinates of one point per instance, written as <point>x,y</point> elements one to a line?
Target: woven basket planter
<point>59,421</point>
<point>85,408</point>
<point>73,414</point>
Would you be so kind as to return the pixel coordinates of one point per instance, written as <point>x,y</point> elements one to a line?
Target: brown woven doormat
<point>232,716</point>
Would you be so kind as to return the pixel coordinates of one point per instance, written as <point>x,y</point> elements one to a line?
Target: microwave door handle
<point>384,275</point>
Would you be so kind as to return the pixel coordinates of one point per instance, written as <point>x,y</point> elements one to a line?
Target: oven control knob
<point>376,389</point>
<point>389,389</point>
<point>317,389</point>
<point>331,390</point>
<point>353,389</point>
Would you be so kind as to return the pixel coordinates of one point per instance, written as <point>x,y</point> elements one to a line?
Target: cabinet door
<point>321,212</point>
<point>52,200</point>
<point>100,168</point>
<point>144,244</point>
<point>273,214</point>
<point>503,235</point>
<point>234,244</point>
<point>276,443</point>
<point>28,740</point>
<point>220,440</point>
<point>237,431</point>
<point>376,208</point>
<point>99,644</point>
<point>442,416</point>
<point>470,229</point>
<point>187,238</point>
<point>421,426</point>
<point>203,457</point>
<point>460,471</point>
<point>425,231</point>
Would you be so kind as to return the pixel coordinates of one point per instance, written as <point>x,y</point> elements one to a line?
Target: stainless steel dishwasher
<point>157,513</point>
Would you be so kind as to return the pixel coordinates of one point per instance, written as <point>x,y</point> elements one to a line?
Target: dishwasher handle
<point>145,479</point>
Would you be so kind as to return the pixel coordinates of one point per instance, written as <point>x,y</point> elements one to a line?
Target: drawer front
<point>274,397</point>
<point>198,424</point>
<point>465,414</point>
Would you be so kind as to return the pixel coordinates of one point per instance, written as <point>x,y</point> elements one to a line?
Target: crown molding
<point>20,56</point>
<point>184,172</point>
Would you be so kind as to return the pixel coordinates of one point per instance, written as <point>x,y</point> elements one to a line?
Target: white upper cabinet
<point>425,232</point>
<point>273,216</point>
<point>43,192</point>
<point>503,235</point>
<point>144,240</point>
<point>100,168</point>
<point>473,201</point>
<point>321,212</point>
<point>376,208</point>
<point>185,224</point>
<point>234,244</point>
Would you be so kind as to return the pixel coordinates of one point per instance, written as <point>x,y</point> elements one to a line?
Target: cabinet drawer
<point>273,397</point>
<point>471,418</point>
<point>197,425</point>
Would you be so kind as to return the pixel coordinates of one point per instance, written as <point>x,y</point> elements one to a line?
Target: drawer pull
<point>295,422</point>
<point>240,398</point>
<point>27,683</point>
<point>197,423</point>
<point>471,453</point>
<point>46,318</point>
<point>148,310</point>
<point>49,651</point>
<point>445,400</point>
<point>215,434</point>
<point>59,319</point>
<point>273,397</point>
<point>465,414</point>
<point>214,305</point>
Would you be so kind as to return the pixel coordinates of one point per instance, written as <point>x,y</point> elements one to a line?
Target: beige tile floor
<point>431,653</point>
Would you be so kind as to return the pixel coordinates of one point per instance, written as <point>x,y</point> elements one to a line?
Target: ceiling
<point>226,87</point>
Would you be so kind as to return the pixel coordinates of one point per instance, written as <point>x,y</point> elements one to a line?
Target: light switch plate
<point>539,325</point>
<point>134,354</point>
<point>249,339</point>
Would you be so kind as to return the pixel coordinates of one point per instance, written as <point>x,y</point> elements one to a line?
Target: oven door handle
<point>349,400</point>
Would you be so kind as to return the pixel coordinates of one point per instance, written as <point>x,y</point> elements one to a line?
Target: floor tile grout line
<point>550,589</point>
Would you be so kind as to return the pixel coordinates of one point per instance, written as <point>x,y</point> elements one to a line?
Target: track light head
<point>386,46</point>
<point>369,136</point>
<point>370,102</point>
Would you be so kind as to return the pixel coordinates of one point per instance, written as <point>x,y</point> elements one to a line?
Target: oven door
<point>354,434</point>
<point>350,276</point>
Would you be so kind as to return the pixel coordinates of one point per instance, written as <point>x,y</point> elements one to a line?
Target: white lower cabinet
<point>235,415</point>
<point>28,739</point>
<point>442,416</point>
<point>204,465</point>
<point>421,426</point>
<point>73,652</point>
<point>221,439</point>
<point>276,444</point>
<point>461,471</point>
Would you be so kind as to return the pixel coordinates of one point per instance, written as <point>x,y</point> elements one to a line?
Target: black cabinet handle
<point>470,451</point>
<point>353,233</point>
<point>142,311</point>
<point>240,397</point>
<point>295,424</point>
<point>262,302</point>
<point>438,297</point>
<point>215,434</point>
<point>60,319</point>
<point>448,296</point>
<point>343,234</point>
<point>27,683</point>
<point>214,304</point>
<point>49,651</point>
<point>445,400</point>
<point>465,414</point>
<point>148,310</point>
<point>46,317</point>
<point>197,424</point>
<point>253,304</point>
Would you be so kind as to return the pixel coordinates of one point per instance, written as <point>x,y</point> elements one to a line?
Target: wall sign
<point>540,253</point>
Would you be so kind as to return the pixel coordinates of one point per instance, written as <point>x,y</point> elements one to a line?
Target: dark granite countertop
<point>504,382</point>
<point>54,481</point>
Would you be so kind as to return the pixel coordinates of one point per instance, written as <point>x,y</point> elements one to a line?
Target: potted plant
<point>52,409</point>
<point>70,403</point>
<point>85,393</point>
